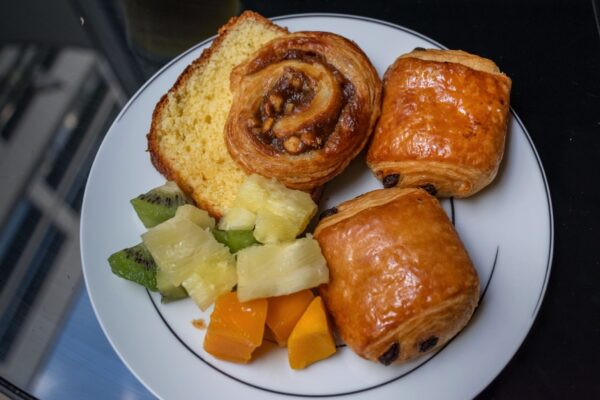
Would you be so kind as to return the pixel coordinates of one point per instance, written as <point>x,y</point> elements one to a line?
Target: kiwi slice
<point>173,294</point>
<point>236,240</point>
<point>135,264</point>
<point>168,291</point>
<point>159,204</point>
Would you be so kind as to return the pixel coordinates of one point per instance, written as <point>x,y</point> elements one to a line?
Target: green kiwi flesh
<point>235,240</point>
<point>173,293</point>
<point>135,264</point>
<point>159,204</point>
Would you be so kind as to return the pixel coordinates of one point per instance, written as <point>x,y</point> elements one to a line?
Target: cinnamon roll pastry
<point>443,123</point>
<point>401,283</point>
<point>303,107</point>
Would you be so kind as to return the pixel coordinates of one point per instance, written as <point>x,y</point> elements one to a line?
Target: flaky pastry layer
<point>443,123</point>
<point>401,282</point>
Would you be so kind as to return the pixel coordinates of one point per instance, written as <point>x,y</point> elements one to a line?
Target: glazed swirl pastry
<point>443,123</point>
<point>303,107</point>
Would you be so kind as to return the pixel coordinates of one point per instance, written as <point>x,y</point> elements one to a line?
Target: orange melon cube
<point>285,311</point>
<point>236,329</point>
<point>311,339</point>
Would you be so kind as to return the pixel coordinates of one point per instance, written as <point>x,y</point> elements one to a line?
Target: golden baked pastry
<point>303,107</point>
<point>443,123</point>
<point>186,141</point>
<point>400,280</point>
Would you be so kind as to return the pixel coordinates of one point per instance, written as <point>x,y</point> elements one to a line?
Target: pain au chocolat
<point>401,282</point>
<point>443,123</point>
<point>304,106</point>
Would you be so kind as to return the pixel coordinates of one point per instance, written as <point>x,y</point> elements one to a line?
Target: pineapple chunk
<point>237,219</point>
<point>196,215</point>
<point>281,213</point>
<point>253,193</point>
<point>278,269</point>
<point>187,254</point>
<point>204,286</point>
<point>272,228</point>
<point>178,245</point>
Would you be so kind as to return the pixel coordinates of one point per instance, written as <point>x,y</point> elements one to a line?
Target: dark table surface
<point>551,50</point>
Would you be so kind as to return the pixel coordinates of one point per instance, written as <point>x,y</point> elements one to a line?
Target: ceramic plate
<point>507,229</point>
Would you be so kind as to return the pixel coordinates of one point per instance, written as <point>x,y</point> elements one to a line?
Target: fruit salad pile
<point>252,266</point>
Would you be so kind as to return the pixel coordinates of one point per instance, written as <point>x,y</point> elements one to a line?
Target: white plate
<point>507,229</point>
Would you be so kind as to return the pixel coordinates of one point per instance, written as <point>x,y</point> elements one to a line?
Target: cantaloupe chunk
<point>285,311</point>
<point>236,329</point>
<point>311,339</point>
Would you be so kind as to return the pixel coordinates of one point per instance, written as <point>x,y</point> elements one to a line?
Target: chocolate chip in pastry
<point>401,282</point>
<point>443,122</point>
<point>303,107</point>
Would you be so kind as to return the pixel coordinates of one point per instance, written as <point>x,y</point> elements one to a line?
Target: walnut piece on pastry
<point>443,123</point>
<point>304,106</point>
<point>401,282</point>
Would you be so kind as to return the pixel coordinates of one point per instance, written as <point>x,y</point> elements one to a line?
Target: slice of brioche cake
<point>186,140</point>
